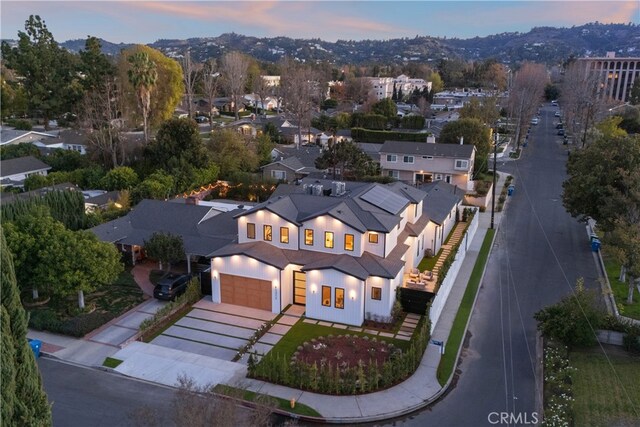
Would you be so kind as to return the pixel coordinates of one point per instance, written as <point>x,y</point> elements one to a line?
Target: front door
<point>299,288</point>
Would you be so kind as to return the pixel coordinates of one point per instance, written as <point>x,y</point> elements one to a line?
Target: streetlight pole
<point>493,191</point>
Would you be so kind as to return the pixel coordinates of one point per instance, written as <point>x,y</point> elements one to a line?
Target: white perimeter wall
<point>354,289</point>
<point>437,304</point>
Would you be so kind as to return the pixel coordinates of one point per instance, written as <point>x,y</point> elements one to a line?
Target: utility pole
<point>493,191</point>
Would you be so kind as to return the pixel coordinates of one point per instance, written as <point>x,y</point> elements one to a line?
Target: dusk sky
<point>147,21</point>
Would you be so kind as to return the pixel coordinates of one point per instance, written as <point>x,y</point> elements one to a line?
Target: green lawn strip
<point>302,332</point>
<point>605,396</point>
<point>427,264</point>
<point>250,396</point>
<point>111,362</point>
<point>621,289</point>
<point>447,363</point>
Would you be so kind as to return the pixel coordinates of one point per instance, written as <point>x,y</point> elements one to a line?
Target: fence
<point>437,304</point>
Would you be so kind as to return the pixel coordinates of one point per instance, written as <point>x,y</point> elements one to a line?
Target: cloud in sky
<point>147,21</point>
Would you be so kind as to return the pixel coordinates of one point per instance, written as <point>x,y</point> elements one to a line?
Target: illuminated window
<point>284,235</point>
<point>373,237</point>
<point>326,296</point>
<point>328,239</point>
<point>267,232</point>
<point>376,293</point>
<point>348,242</point>
<point>251,230</point>
<point>339,302</point>
<point>308,237</point>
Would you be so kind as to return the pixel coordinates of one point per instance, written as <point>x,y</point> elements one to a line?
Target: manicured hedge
<point>380,136</point>
<point>333,379</point>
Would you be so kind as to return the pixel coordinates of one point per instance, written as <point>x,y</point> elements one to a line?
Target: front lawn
<point>427,264</point>
<point>106,303</point>
<point>621,289</point>
<point>606,390</point>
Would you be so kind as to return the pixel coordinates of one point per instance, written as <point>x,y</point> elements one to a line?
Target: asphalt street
<point>88,397</point>
<point>539,254</point>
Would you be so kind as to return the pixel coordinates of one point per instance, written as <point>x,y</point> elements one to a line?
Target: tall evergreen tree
<point>143,76</point>
<point>24,402</point>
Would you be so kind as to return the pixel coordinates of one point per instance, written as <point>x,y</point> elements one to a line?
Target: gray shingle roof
<point>200,237</point>
<point>21,165</point>
<point>440,200</point>
<point>426,149</point>
<point>360,267</point>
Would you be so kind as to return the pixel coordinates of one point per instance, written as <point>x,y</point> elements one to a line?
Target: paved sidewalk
<point>163,365</point>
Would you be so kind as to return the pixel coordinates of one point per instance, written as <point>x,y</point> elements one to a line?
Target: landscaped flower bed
<point>341,364</point>
<point>345,351</point>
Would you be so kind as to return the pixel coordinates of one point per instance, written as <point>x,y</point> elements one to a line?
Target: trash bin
<point>595,245</point>
<point>510,190</point>
<point>593,237</point>
<point>35,347</point>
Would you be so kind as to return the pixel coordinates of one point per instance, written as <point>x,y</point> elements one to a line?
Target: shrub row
<point>446,265</point>
<point>558,396</point>
<point>342,380</point>
<point>380,136</point>
<point>79,326</point>
<point>191,296</point>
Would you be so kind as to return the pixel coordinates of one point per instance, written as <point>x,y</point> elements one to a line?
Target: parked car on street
<point>561,132</point>
<point>535,121</point>
<point>170,286</point>
<point>557,114</point>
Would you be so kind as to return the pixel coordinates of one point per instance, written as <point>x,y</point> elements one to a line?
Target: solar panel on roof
<point>385,199</point>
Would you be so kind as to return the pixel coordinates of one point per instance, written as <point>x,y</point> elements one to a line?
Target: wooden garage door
<point>246,292</point>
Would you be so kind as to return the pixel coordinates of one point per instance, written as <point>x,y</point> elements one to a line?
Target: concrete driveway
<point>219,330</point>
<point>117,332</point>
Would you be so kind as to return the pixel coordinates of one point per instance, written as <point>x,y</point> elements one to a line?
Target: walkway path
<point>456,235</point>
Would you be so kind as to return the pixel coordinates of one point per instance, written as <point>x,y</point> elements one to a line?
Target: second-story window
<point>373,237</point>
<point>407,159</point>
<point>308,237</point>
<point>267,232</point>
<point>251,230</point>
<point>392,158</point>
<point>462,164</point>
<point>348,242</point>
<point>284,234</point>
<point>328,239</point>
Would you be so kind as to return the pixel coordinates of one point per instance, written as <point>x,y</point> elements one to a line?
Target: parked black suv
<point>170,286</point>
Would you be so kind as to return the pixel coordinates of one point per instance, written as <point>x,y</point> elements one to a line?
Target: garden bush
<point>332,377</point>
<point>558,395</point>
<point>380,136</point>
<point>81,325</point>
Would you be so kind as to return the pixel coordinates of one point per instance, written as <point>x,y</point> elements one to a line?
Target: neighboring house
<point>419,162</point>
<point>67,140</point>
<point>370,149</point>
<point>13,172</point>
<point>291,164</point>
<point>441,205</point>
<point>93,202</point>
<point>340,249</point>
<point>382,87</point>
<point>202,228</point>
<point>13,136</point>
<point>344,135</point>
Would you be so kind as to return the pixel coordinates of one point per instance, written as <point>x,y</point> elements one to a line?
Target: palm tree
<point>143,76</point>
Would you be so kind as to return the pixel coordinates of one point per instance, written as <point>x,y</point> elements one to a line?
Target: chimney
<point>431,139</point>
<point>461,140</point>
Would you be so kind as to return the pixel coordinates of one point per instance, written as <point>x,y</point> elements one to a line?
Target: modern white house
<point>382,87</point>
<point>340,249</point>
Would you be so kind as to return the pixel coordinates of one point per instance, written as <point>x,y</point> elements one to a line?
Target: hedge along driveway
<point>120,330</point>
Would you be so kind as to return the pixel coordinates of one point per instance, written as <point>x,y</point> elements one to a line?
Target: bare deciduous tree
<point>302,93</point>
<point>100,116</point>
<point>358,89</point>
<point>261,89</point>
<point>581,99</point>
<point>190,77</point>
<point>210,81</point>
<point>526,94</point>
<point>235,67</point>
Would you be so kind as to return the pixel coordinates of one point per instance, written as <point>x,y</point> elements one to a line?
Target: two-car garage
<point>245,291</point>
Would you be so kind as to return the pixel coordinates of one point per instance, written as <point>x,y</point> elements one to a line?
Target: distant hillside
<point>108,48</point>
<point>543,44</point>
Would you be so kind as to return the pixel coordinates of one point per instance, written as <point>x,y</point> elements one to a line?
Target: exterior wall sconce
<point>352,295</point>
<point>275,288</point>
<point>314,289</point>
<point>214,274</point>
